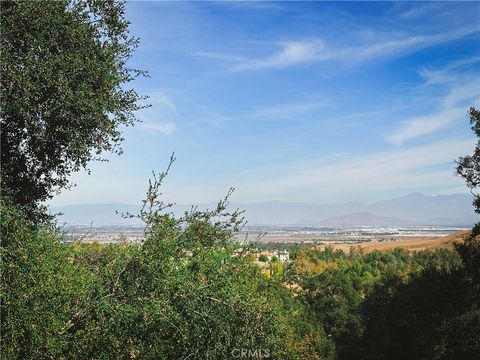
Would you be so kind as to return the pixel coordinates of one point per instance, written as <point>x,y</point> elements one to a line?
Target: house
<point>283,256</point>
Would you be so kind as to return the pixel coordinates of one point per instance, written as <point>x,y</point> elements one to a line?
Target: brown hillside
<point>408,244</point>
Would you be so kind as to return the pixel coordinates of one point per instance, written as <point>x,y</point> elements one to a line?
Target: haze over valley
<point>411,210</point>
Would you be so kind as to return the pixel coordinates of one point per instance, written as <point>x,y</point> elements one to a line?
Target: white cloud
<point>420,126</point>
<point>305,51</point>
<point>449,73</point>
<point>291,53</point>
<point>463,91</point>
<point>419,10</point>
<point>402,45</point>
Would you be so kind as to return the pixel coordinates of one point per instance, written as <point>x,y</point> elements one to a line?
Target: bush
<point>179,294</point>
<point>42,288</point>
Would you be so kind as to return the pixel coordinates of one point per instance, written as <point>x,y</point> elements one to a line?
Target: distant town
<point>269,234</point>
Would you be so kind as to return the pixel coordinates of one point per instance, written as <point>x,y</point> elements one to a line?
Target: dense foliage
<point>392,305</point>
<point>63,72</point>
<point>181,294</point>
<point>469,168</point>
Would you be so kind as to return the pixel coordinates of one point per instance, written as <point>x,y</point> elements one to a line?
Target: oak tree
<point>64,97</point>
<point>469,168</point>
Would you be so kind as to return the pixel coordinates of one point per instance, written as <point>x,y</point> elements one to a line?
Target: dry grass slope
<point>408,244</point>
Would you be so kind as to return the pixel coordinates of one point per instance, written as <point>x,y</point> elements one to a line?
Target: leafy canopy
<point>63,66</point>
<point>469,168</point>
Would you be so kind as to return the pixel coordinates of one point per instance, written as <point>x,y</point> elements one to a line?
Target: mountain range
<point>409,210</point>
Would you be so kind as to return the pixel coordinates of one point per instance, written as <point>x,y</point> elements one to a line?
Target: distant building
<point>283,256</point>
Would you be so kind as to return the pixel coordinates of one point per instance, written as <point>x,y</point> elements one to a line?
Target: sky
<point>310,102</point>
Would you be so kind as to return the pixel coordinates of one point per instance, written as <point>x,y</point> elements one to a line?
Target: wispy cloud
<point>316,50</point>
<point>420,126</point>
<point>291,53</point>
<point>448,73</point>
<point>418,9</point>
<point>334,177</point>
<point>463,91</point>
<point>289,110</point>
<point>373,141</point>
<point>403,45</point>
<point>405,168</point>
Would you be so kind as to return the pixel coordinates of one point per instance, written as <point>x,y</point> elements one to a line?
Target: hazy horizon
<point>214,201</point>
<point>413,209</point>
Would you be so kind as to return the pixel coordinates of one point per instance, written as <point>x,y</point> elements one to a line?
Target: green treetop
<point>63,67</point>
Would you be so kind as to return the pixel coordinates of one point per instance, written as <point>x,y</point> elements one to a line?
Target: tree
<point>64,70</point>
<point>469,168</point>
<point>180,294</point>
<point>330,296</point>
<point>263,258</point>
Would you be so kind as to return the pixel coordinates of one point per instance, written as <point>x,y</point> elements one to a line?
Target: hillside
<point>408,244</point>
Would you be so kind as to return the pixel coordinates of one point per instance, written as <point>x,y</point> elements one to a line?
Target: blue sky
<point>307,101</point>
